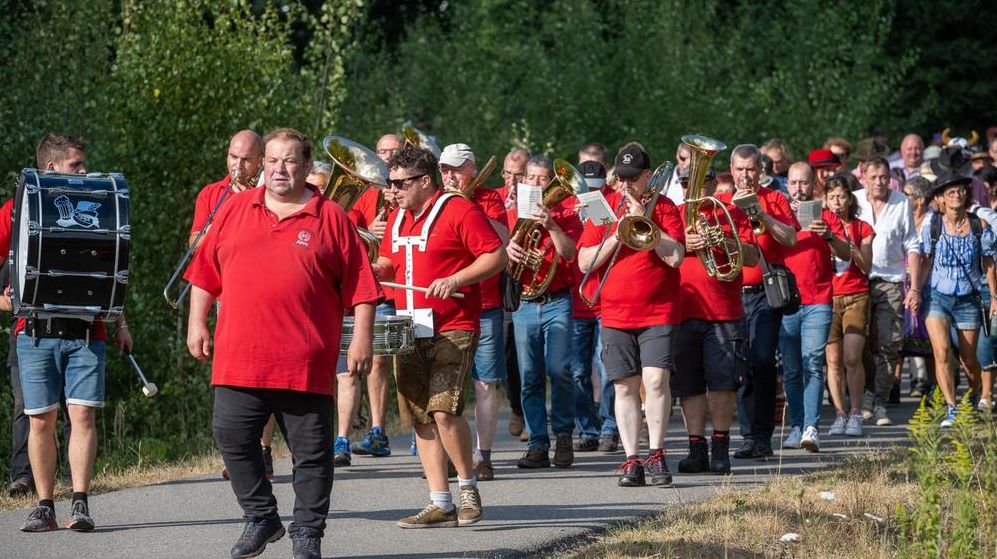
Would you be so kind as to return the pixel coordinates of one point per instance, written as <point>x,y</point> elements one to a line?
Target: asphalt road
<point>527,512</point>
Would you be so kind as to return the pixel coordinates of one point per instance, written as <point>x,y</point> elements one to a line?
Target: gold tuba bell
<point>356,169</point>
<point>533,271</point>
<point>721,260</point>
<point>418,138</point>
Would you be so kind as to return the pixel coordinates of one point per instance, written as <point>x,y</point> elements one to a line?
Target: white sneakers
<point>810,439</point>
<point>854,426</point>
<point>838,427</point>
<point>793,439</point>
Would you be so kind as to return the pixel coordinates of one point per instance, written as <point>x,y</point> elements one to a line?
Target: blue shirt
<point>956,257</point>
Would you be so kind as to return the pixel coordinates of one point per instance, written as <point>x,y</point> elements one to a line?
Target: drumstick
<point>414,288</point>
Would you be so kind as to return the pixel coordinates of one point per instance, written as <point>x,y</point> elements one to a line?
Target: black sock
<point>80,496</point>
<point>633,457</point>
<point>693,439</point>
<point>721,435</point>
<point>47,503</point>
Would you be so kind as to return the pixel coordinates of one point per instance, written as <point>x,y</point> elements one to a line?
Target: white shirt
<point>895,235</point>
<point>673,188</point>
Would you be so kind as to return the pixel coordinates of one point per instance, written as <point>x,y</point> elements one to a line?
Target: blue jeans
<point>489,358</point>
<point>756,397</point>
<point>543,345</point>
<point>803,343</point>
<point>585,337</point>
<point>53,367</point>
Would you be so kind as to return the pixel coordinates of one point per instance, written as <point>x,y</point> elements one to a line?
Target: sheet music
<point>597,208</point>
<point>808,212</point>
<point>527,199</point>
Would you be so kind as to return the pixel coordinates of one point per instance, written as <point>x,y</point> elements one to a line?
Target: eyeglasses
<point>400,183</point>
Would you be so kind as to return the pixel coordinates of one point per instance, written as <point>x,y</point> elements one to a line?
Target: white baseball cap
<point>456,155</point>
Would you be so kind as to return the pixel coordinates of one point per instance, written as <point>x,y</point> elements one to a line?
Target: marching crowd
<point>843,278</point>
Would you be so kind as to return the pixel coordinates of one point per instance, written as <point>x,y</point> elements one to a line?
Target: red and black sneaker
<point>631,474</point>
<point>657,469</point>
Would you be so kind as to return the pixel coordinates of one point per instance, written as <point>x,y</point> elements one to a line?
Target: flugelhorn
<point>721,260</point>
<point>356,169</point>
<point>640,232</point>
<point>533,271</point>
<point>181,266</point>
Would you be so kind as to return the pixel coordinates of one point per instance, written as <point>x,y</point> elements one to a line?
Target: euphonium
<point>532,271</point>
<point>356,169</point>
<point>721,260</point>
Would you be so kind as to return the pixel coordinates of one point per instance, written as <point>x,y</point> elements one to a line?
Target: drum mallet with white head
<point>148,388</point>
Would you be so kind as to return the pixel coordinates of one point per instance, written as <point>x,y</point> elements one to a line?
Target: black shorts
<point>712,357</point>
<point>626,351</point>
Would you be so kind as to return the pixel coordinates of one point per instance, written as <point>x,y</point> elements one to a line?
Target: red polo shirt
<point>206,200</point>
<point>566,217</point>
<point>853,280</point>
<point>641,289</point>
<point>703,296</point>
<point>460,234</point>
<point>493,205</point>
<point>286,283</point>
<point>810,261</point>
<point>6,213</point>
<point>363,212</point>
<point>777,205</point>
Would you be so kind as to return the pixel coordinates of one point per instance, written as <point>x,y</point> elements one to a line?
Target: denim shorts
<point>51,367</point>
<point>489,358</point>
<point>963,311</point>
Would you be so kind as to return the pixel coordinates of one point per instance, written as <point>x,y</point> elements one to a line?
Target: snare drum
<point>69,245</point>
<point>392,335</point>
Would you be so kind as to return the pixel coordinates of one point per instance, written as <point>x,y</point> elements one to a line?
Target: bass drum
<point>69,245</point>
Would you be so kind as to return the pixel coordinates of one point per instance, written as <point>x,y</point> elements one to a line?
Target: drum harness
<point>412,241</point>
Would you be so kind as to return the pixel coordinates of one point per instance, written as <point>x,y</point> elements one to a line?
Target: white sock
<point>442,499</point>
<point>462,482</point>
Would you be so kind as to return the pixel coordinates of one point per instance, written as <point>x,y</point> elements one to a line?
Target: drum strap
<point>62,328</point>
<point>410,242</point>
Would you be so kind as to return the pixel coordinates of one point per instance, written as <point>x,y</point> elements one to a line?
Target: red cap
<point>823,158</point>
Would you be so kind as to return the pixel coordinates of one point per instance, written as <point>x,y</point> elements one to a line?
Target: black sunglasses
<point>400,183</point>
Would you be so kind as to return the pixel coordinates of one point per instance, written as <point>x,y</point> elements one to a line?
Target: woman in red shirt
<point>850,309</point>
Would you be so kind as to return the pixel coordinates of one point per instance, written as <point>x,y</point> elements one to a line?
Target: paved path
<point>525,510</point>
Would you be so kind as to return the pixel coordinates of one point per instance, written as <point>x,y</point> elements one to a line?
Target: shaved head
<point>245,157</point>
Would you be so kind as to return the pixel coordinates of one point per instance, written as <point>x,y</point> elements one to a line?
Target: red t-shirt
<point>641,289</point>
<point>460,234</point>
<point>853,280</point>
<point>493,205</point>
<point>286,283</point>
<point>206,200</point>
<point>566,217</point>
<point>705,297</point>
<point>776,205</point>
<point>810,261</point>
<point>579,309</point>
<point>363,212</point>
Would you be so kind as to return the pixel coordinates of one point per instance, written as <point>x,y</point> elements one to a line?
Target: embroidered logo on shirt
<point>304,237</point>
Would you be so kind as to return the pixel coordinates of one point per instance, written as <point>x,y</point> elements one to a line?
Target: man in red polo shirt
<point>317,267</point>
<point>756,397</point>
<point>243,160</point>
<point>711,341</point>
<point>640,311</point>
<point>458,169</point>
<point>445,244</point>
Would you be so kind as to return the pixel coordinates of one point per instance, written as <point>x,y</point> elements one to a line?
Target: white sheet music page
<point>527,199</point>
<point>597,208</point>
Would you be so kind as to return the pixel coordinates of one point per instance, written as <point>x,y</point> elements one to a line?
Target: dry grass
<point>748,524</point>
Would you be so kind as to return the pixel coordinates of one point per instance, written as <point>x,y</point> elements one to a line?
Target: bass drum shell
<point>70,245</point>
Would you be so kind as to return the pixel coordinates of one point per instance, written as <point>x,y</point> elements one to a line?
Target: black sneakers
<point>21,486</point>
<point>307,543</point>
<point>586,444</point>
<point>719,455</point>
<point>746,450</point>
<point>631,474</point>
<point>534,458</point>
<point>657,469</point>
<point>564,456</point>
<point>256,534</point>
<point>698,460</point>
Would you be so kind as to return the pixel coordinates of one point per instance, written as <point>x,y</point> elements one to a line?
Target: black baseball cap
<point>631,162</point>
<point>594,174</point>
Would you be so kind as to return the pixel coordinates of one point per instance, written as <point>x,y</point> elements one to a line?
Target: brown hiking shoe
<point>564,456</point>
<point>431,517</point>
<point>483,470</point>
<point>515,424</point>
<point>469,511</point>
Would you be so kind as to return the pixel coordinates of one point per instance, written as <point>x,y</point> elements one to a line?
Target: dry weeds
<point>748,524</point>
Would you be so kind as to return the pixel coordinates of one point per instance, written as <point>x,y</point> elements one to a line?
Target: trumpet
<point>181,266</point>
<point>637,232</point>
<point>356,169</point>
<point>720,260</point>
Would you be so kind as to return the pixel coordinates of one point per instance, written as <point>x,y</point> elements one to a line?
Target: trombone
<point>639,233</point>
<point>181,266</point>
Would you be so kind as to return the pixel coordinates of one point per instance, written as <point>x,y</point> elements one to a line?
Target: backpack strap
<point>936,231</point>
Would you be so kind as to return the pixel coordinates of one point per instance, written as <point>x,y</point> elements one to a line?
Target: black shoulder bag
<point>781,291</point>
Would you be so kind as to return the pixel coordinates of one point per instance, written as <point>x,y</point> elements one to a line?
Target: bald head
<point>800,181</point>
<point>245,155</point>
<point>388,145</point>
<point>514,167</point>
<point>912,151</point>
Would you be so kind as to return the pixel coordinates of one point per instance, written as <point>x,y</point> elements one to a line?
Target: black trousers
<point>19,428</point>
<point>513,382</point>
<point>756,397</point>
<point>306,421</point>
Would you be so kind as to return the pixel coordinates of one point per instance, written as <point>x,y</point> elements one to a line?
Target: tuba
<point>721,260</point>
<point>356,169</point>
<point>533,271</point>
<point>418,138</point>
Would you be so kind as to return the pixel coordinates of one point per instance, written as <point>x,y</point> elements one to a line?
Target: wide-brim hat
<point>947,178</point>
<point>954,159</point>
